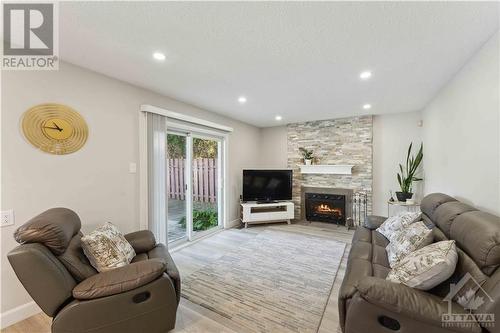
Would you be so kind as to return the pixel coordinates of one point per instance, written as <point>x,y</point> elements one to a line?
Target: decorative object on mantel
<point>308,155</point>
<point>406,176</point>
<point>334,169</point>
<point>54,128</point>
<point>392,197</point>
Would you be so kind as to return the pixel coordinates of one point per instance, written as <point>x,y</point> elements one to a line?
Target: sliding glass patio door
<point>194,185</point>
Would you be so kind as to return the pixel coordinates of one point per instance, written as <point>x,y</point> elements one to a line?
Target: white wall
<point>392,134</point>
<point>94,181</point>
<point>461,133</point>
<point>273,147</point>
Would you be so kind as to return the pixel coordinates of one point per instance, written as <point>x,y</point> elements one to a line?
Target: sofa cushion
<point>438,235</point>
<point>362,234</point>
<point>379,256</point>
<point>432,201</point>
<point>427,267</point>
<point>379,239</point>
<point>380,271</point>
<point>465,265</point>
<point>75,260</point>
<point>361,250</point>
<point>397,222</point>
<point>140,257</point>
<point>142,241</point>
<point>53,228</point>
<point>478,234</point>
<point>106,248</point>
<point>445,214</point>
<point>405,241</point>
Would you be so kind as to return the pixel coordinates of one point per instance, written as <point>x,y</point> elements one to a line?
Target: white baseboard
<point>17,314</point>
<point>233,223</point>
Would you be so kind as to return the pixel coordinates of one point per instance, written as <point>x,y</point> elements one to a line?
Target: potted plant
<point>307,154</point>
<point>406,176</point>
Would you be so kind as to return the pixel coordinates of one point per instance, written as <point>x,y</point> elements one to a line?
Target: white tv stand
<point>253,212</point>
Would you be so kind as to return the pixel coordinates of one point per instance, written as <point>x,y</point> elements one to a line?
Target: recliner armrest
<point>372,222</point>
<point>398,298</point>
<point>119,280</point>
<point>160,252</point>
<point>142,241</point>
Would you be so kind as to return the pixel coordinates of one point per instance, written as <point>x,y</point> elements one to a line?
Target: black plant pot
<point>402,196</point>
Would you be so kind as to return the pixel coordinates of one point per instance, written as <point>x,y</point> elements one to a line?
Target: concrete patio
<point>176,211</point>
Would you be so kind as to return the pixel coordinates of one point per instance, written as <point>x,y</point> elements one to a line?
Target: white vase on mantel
<point>308,162</point>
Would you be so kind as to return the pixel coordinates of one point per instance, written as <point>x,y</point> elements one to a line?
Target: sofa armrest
<point>119,280</point>
<point>398,298</point>
<point>372,222</point>
<point>142,241</point>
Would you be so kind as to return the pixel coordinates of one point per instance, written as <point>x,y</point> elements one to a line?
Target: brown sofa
<point>369,303</point>
<point>140,297</point>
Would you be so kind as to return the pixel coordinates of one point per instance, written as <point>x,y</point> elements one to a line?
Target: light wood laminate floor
<point>192,318</point>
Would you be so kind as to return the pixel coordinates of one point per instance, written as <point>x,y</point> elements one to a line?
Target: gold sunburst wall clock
<point>55,128</point>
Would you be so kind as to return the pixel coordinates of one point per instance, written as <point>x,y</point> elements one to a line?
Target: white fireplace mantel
<point>337,169</point>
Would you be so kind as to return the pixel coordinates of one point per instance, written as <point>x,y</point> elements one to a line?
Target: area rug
<point>275,282</point>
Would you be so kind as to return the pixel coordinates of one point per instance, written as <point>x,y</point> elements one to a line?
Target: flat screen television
<point>267,185</point>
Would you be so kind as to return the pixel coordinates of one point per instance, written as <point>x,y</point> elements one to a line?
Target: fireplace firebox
<point>326,207</point>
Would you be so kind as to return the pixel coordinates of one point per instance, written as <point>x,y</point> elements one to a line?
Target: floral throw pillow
<point>427,267</point>
<point>106,248</point>
<point>407,240</point>
<point>396,223</point>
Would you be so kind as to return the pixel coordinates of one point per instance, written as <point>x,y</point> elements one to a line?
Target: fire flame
<point>324,208</point>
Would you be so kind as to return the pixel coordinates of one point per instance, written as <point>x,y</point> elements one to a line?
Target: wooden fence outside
<point>204,179</point>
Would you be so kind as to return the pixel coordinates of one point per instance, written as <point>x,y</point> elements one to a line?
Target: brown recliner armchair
<point>140,297</point>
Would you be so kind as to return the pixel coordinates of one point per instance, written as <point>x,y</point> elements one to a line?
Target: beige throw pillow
<point>106,248</point>
<point>397,222</point>
<point>407,240</point>
<point>427,267</point>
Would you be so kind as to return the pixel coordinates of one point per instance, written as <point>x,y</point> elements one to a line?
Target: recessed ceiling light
<point>278,118</point>
<point>367,106</point>
<point>159,56</point>
<point>365,75</point>
<point>242,99</point>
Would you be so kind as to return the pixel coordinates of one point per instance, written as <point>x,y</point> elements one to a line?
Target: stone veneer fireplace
<point>334,142</point>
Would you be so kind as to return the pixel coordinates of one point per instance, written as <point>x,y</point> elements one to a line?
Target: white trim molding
<point>143,172</point>
<point>327,169</point>
<point>185,118</point>
<point>19,313</point>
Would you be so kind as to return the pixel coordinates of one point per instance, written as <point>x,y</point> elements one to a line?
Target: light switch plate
<point>132,167</point>
<point>7,218</point>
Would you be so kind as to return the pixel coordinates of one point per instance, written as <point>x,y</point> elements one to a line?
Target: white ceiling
<point>300,60</point>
